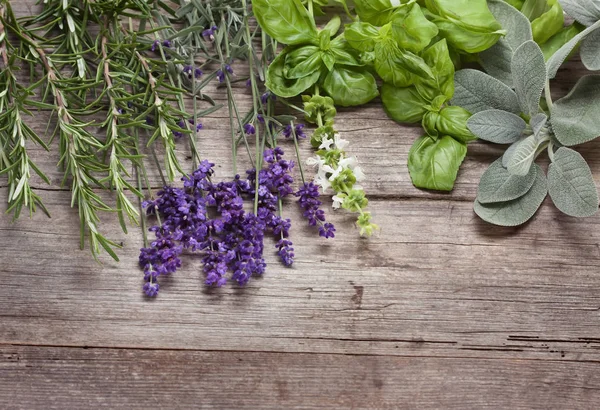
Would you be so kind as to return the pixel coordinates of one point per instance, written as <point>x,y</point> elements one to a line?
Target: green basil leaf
<point>549,23</point>
<point>361,36</point>
<point>533,9</point>
<point>301,62</point>
<point>404,105</point>
<point>560,39</point>
<point>575,118</point>
<point>350,87</point>
<point>452,121</point>
<point>413,31</point>
<point>333,26</point>
<point>497,126</point>
<point>476,91</point>
<point>529,74</point>
<point>468,25</point>
<point>517,211</point>
<point>587,12</point>
<point>390,67</point>
<point>434,164</point>
<point>429,124</point>
<point>286,87</point>
<point>286,21</point>
<point>571,184</point>
<point>379,12</point>
<point>590,51</point>
<point>438,58</point>
<point>499,185</point>
<point>328,59</point>
<point>344,54</point>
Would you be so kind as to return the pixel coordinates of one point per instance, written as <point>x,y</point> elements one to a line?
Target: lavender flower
<point>249,129</point>
<point>220,75</point>
<point>265,97</point>
<point>155,45</point>
<point>167,43</point>
<point>299,130</point>
<point>197,73</point>
<point>209,34</point>
<point>151,289</point>
<point>309,201</point>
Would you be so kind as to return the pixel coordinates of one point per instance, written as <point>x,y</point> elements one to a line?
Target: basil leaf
<point>522,159</point>
<point>571,185</point>
<point>437,57</point>
<point>587,12</point>
<point>302,61</point>
<point>361,36</point>
<point>413,31</point>
<point>349,87</point>
<point>344,54</point>
<point>499,127</point>
<point>518,211</point>
<point>404,105</point>
<point>285,87</point>
<point>576,117</point>
<point>328,59</point>
<point>378,12</point>
<point>286,21</point>
<point>497,59</point>
<point>333,26</point>
<point>529,74</point>
<point>434,164</point>
<point>453,121</point>
<point>549,23</point>
<point>590,51</point>
<point>533,9</point>
<point>476,91</point>
<point>468,25</point>
<point>499,185</point>
<point>560,39</point>
<point>561,55</point>
<point>396,66</point>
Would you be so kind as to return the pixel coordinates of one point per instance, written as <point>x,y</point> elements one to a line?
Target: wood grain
<point>439,310</point>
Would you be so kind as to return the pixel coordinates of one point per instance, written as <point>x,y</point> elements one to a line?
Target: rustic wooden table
<point>439,310</point>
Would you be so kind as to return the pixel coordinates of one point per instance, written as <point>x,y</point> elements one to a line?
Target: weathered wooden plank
<point>34,377</point>
<point>435,281</point>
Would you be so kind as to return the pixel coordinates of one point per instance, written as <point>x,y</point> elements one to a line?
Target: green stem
<point>548,95</point>
<point>297,151</point>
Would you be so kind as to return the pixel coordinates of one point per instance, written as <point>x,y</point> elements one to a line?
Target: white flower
<point>339,142</point>
<point>334,172</point>
<point>326,143</point>
<point>322,181</point>
<point>359,174</point>
<point>314,162</point>
<point>351,162</point>
<point>338,201</point>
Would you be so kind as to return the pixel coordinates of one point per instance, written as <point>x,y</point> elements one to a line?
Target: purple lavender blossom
<point>309,201</point>
<point>249,129</point>
<point>327,230</point>
<point>167,43</point>
<point>220,75</point>
<point>151,289</point>
<point>228,69</point>
<point>197,73</point>
<point>209,34</point>
<point>155,45</point>
<point>265,97</point>
<point>299,130</point>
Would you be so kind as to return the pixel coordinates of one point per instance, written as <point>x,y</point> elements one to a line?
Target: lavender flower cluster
<point>230,239</point>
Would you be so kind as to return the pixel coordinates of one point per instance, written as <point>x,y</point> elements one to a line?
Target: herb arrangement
<point>126,83</point>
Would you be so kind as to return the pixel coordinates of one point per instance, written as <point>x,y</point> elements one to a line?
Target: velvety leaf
<point>590,51</point>
<point>476,91</point>
<point>571,185</point>
<point>438,58</point>
<point>497,59</point>
<point>537,123</point>
<point>518,211</point>
<point>561,55</point>
<point>350,87</point>
<point>499,127</point>
<point>467,25</point>
<point>404,105</point>
<point>286,21</point>
<point>361,36</point>
<point>434,164</point>
<point>576,117</point>
<point>499,185</point>
<point>413,31</point>
<point>509,153</point>
<point>284,87</point>
<point>587,12</point>
<point>529,75</point>
<point>522,159</point>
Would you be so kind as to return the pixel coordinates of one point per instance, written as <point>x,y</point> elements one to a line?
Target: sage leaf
<point>497,59</point>
<point>590,51</point>
<point>571,185</point>
<point>434,164</point>
<point>529,74</point>
<point>561,55</point>
<point>499,127</point>
<point>524,155</point>
<point>537,123</point>
<point>349,87</point>
<point>499,185</point>
<point>509,153</point>
<point>587,12</point>
<point>518,211</point>
<point>477,91</point>
<point>576,117</point>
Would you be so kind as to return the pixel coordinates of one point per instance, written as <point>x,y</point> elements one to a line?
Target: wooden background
<point>439,310</point>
